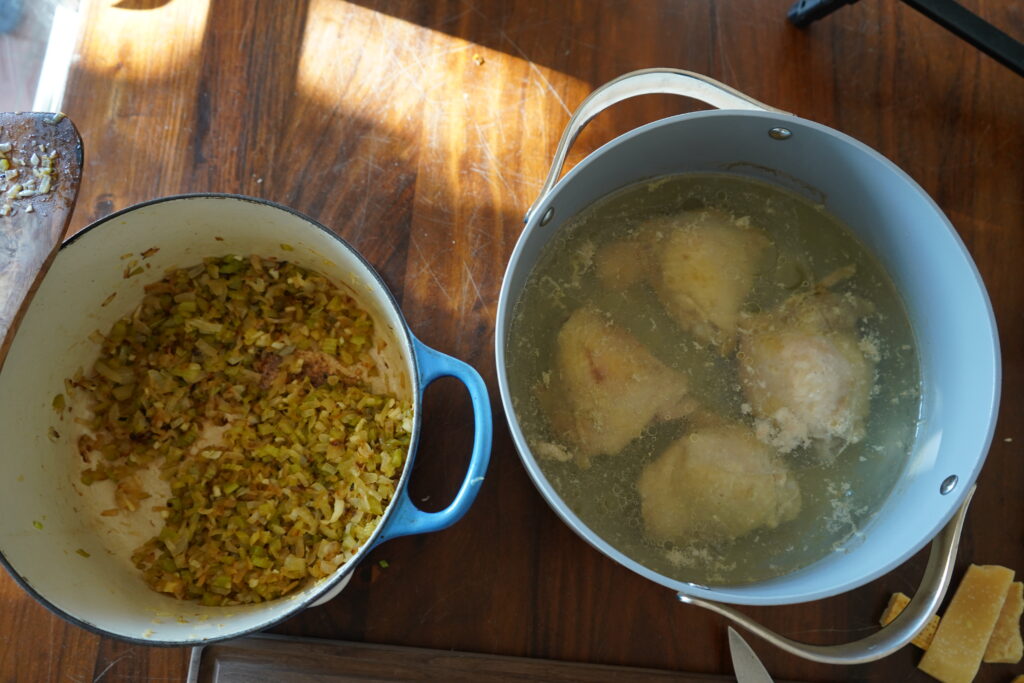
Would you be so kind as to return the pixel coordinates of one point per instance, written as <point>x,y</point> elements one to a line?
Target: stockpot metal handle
<point>884,642</point>
<point>634,84</point>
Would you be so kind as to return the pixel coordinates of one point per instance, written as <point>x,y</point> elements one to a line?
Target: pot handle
<point>884,642</point>
<point>408,519</point>
<point>634,84</point>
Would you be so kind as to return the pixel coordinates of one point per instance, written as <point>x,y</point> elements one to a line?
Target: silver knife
<point>745,663</point>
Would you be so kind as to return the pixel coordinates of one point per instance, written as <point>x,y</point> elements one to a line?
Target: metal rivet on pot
<point>548,215</point>
<point>948,484</point>
<point>780,133</point>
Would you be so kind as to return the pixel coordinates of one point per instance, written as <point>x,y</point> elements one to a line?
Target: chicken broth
<point>715,376</point>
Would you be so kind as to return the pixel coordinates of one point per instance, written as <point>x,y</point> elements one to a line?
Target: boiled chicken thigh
<point>716,483</point>
<point>606,387</point>
<point>805,373</point>
<point>702,265</point>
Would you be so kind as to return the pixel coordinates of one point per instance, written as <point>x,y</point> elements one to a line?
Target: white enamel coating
<point>103,591</point>
<point>942,290</point>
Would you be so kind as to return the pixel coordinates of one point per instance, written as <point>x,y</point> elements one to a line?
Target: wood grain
<point>270,658</point>
<point>421,132</point>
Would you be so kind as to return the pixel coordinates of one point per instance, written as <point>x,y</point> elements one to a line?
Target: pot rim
<point>347,569</point>
<point>565,511</point>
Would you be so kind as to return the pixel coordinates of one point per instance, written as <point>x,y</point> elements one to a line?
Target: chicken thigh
<point>805,373</point>
<point>702,264</point>
<point>606,387</point>
<point>716,484</point>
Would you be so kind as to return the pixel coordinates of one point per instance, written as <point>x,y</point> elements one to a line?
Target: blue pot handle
<point>407,519</point>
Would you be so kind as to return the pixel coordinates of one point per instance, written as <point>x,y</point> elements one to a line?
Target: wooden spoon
<point>40,169</point>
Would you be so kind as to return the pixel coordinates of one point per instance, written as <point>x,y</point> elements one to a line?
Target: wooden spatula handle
<point>40,170</point>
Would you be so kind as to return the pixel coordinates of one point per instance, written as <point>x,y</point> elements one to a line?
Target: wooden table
<point>421,131</point>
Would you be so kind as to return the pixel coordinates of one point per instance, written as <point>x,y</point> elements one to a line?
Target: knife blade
<point>745,664</point>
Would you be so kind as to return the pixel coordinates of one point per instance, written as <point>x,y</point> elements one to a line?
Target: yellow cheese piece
<point>897,603</point>
<point>1018,679</point>
<point>963,634</point>
<point>1005,645</point>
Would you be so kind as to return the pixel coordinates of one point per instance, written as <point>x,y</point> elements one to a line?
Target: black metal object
<point>947,13</point>
<point>804,12</point>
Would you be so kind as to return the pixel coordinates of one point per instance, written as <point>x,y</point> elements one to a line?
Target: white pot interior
<point>44,519</point>
<point>942,291</point>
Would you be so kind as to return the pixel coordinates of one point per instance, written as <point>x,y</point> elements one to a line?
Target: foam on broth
<point>838,496</point>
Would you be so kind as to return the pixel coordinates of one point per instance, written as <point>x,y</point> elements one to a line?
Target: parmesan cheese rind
<point>1005,645</point>
<point>897,603</point>
<point>963,634</point>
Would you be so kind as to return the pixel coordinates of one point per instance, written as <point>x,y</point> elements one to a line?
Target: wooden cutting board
<point>280,658</point>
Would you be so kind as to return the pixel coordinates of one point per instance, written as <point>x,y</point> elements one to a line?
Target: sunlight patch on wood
<point>149,43</point>
<point>404,74</point>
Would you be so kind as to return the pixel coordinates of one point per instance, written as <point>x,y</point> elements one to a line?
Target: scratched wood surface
<point>421,132</point>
